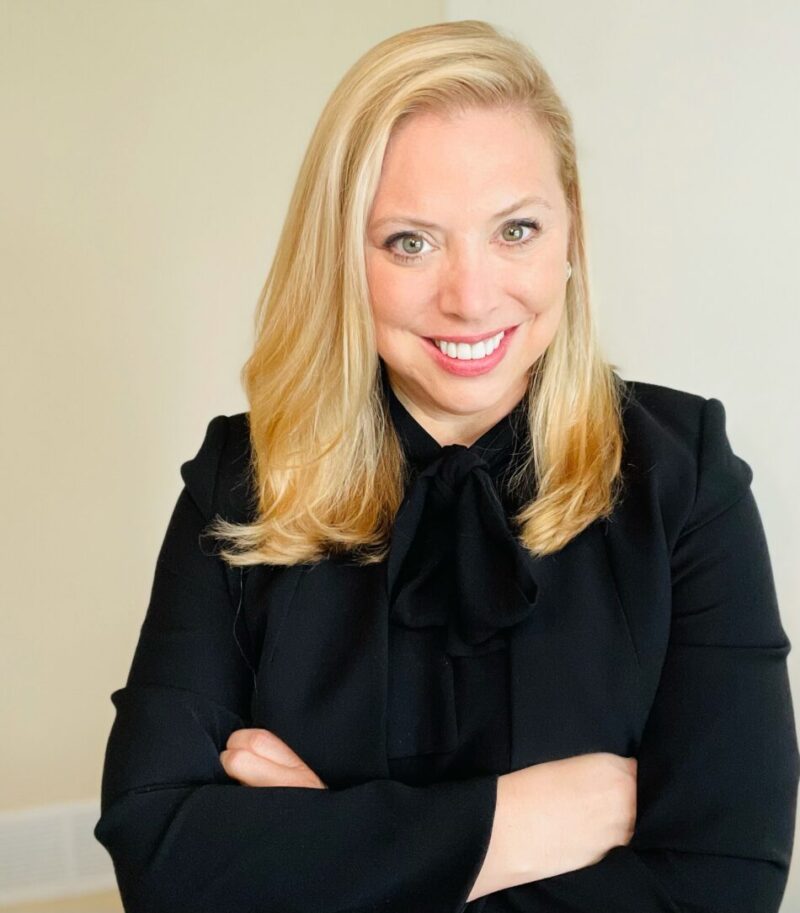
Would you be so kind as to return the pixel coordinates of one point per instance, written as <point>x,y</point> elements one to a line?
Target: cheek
<point>382,289</point>
<point>541,279</point>
<point>393,294</point>
<point>542,328</point>
<point>542,293</point>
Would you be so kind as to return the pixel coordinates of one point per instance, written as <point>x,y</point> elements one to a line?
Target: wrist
<point>514,821</point>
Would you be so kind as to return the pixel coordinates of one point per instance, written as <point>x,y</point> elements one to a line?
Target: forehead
<point>478,156</point>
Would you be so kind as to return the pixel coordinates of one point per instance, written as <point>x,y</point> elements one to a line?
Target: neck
<point>448,428</point>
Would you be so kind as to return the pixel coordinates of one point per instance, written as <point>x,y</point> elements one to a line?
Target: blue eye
<point>389,243</point>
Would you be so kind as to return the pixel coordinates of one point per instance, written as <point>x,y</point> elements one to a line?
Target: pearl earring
<point>569,270</point>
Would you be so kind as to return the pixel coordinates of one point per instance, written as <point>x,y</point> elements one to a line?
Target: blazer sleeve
<point>718,759</point>
<point>186,838</point>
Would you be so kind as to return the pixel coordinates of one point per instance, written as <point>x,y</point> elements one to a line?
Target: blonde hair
<point>326,464</point>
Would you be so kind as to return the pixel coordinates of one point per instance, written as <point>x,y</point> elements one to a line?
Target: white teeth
<point>465,351</point>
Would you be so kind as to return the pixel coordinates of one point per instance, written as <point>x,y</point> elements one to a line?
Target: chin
<point>468,395</point>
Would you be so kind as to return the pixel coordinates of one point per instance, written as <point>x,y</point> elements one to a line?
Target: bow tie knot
<point>453,561</point>
<point>453,465</point>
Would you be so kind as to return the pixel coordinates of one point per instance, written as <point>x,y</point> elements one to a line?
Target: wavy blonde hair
<point>326,466</point>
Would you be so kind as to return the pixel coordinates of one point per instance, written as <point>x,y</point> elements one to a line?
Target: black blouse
<point>410,685</point>
<point>457,580</point>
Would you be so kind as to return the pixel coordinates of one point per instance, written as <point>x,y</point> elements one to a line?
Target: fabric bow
<point>454,561</point>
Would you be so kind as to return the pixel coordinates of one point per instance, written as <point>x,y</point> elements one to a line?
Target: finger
<point>254,770</point>
<point>265,743</point>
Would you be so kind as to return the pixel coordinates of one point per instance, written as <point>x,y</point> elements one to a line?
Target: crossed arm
<point>718,764</point>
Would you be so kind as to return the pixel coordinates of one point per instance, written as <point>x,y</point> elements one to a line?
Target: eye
<point>517,226</point>
<point>415,241</point>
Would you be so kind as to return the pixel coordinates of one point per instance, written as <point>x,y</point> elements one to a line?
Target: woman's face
<point>492,256</point>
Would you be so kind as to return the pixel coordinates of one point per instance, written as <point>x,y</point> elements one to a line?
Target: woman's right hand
<point>572,811</point>
<point>558,816</point>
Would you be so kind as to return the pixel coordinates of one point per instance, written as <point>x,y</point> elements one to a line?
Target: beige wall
<point>148,153</point>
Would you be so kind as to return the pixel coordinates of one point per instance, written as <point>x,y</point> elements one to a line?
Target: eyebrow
<point>410,220</point>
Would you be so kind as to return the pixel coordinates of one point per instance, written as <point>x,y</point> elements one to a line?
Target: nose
<point>466,291</point>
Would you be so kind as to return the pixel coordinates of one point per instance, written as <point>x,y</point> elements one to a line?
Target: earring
<point>569,270</point>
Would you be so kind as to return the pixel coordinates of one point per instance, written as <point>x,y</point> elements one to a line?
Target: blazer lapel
<point>323,670</point>
<point>574,677</point>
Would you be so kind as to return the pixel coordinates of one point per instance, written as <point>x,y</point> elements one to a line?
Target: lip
<point>473,339</point>
<point>470,367</point>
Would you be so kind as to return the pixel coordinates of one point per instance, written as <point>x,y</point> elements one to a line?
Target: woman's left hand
<point>258,757</point>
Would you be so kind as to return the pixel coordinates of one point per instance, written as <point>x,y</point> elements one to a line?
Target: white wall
<point>688,125</point>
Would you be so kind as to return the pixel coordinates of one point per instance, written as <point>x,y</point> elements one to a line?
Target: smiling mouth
<point>470,340</point>
<point>464,351</point>
<point>471,360</point>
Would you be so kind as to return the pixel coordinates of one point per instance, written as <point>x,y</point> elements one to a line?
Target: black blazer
<point>657,634</point>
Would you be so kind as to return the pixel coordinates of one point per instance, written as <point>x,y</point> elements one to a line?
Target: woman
<point>490,625</point>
